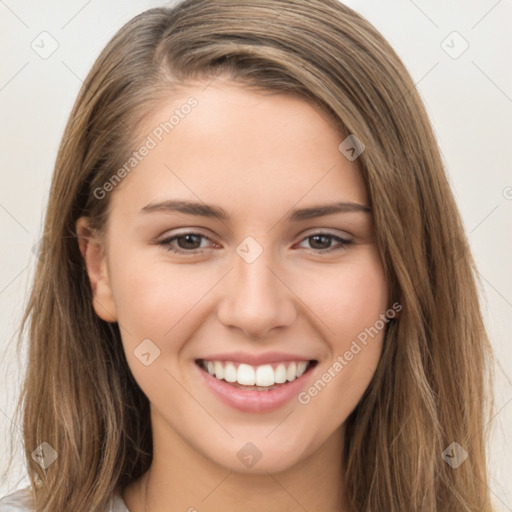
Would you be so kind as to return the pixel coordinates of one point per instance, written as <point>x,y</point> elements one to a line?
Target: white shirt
<point>22,501</point>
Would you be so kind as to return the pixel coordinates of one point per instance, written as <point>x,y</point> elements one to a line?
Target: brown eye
<point>322,242</point>
<point>188,243</point>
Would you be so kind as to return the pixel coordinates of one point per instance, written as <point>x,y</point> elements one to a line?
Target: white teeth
<point>264,376</point>
<point>219,370</point>
<point>280,374</point>
<point>291,373</point>
<point>245,375</point>
<point>301,368</point>
<point>229,373</point>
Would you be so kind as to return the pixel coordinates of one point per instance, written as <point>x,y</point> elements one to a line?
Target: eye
<point>191,243</point>
<point>321,242</point>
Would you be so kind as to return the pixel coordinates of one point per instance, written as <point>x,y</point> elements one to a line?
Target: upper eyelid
<point>305,234</point>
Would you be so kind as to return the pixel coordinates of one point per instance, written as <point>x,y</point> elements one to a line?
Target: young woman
<point>254,289</point>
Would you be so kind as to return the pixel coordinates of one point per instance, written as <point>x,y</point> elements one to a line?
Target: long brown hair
<point>430,388</point>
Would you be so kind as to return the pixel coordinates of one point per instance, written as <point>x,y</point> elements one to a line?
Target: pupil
<point>325,239</point>
<point>190,240</point>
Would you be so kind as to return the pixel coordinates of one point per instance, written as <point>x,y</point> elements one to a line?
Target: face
<point>243,308</point>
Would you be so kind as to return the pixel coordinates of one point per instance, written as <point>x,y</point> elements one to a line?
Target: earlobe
<point>95,261</point>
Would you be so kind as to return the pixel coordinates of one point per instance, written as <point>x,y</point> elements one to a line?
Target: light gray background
<point>469,99</point>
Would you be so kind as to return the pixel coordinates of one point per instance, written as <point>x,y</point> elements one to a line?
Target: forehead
<point>223,142</point>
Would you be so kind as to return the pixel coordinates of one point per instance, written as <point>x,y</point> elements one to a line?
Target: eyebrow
<point>215,212</point>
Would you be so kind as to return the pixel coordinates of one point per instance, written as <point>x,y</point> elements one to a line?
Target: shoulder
<point>18,501</point>
<point>23,501</point>
<point>117,503</point>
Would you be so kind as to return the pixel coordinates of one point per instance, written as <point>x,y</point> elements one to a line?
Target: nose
<point>256,298</point>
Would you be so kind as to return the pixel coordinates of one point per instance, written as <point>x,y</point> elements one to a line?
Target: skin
<point>256,156</point>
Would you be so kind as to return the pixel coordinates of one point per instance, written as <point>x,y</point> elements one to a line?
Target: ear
<point>95,260</point>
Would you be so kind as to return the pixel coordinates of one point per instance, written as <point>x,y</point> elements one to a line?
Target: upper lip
<point>256,359</point>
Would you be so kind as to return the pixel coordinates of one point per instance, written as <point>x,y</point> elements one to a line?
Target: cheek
<point>353,308</point>
<point>153,297</point>
<point>155,302</point>
<point>349,299</point>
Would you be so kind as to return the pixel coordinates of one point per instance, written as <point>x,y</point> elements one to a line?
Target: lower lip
<point>252,400</point>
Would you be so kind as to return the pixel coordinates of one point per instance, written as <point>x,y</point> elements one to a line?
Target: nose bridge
<point>257,301</point>
<point>255,281</point>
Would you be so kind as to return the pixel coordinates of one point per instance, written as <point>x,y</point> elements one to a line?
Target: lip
<point>252,400</point>
<point>257,359</point>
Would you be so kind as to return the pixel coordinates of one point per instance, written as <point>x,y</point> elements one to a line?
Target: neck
<point>180,478</point>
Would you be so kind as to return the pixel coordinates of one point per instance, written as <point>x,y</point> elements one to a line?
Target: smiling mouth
<point>256,378</point>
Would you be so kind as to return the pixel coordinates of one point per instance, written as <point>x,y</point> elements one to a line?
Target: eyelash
<point>166,243</point>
